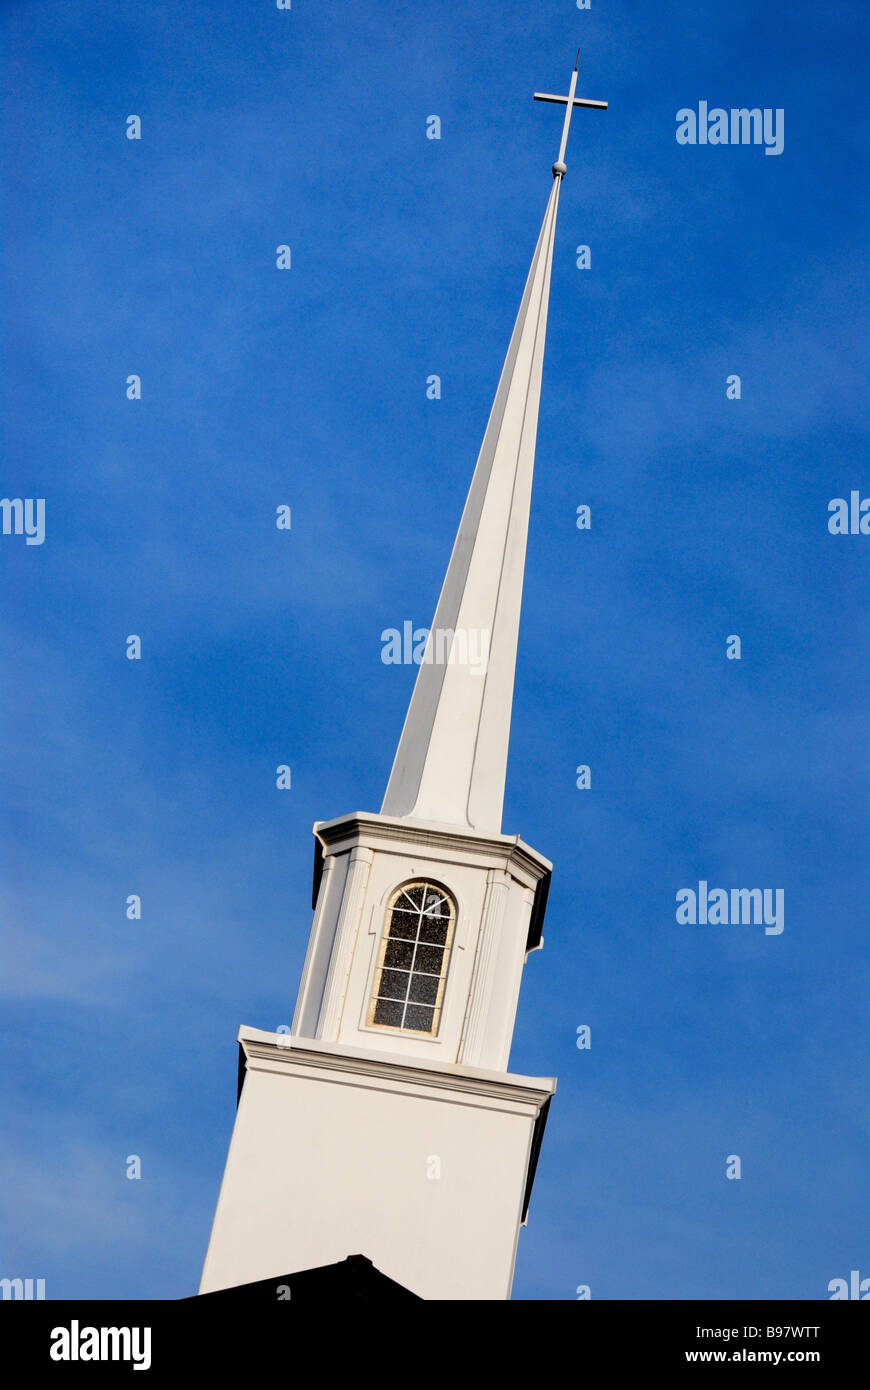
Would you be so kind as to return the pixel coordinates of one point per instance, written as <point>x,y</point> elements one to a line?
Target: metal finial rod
<point>569,107</point>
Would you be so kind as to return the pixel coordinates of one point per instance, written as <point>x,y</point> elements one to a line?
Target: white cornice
<point>281,1052</point>
<point>394,833</point>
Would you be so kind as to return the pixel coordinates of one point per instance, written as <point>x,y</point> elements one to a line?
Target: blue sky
<point>261,647</point>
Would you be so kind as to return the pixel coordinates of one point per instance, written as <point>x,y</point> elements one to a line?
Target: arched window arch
<point>412,964</point>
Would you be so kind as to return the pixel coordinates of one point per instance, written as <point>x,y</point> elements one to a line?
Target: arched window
<point>412,965</point>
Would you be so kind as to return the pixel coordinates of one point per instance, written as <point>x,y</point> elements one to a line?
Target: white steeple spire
<point>451,761</point>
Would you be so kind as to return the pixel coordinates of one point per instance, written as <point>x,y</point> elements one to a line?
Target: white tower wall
<point>336,1153</point>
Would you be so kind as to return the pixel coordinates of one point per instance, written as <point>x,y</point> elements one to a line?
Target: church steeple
<point>385,1123</point>
<point>451,760</point>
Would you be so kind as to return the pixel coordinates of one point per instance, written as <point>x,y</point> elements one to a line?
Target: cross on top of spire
<point>560,168</point>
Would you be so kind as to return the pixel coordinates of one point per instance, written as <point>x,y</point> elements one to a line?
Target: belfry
<point>386,1124</point>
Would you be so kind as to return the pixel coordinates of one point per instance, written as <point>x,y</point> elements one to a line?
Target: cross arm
<point>577,101</point>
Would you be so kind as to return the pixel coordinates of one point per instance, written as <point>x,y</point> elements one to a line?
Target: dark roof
<point>355,1279</point>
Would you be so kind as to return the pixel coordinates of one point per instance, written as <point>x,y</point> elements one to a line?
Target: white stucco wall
<point>329,1158</point>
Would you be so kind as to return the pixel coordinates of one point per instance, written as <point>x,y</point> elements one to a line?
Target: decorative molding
<point>477,1018</point>
<point>306,981</point>
<point>351,1066</point>
<point>391,834</point>
<point>361,858</point>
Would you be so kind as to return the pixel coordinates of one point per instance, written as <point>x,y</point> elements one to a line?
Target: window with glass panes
<point>412,966</point>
